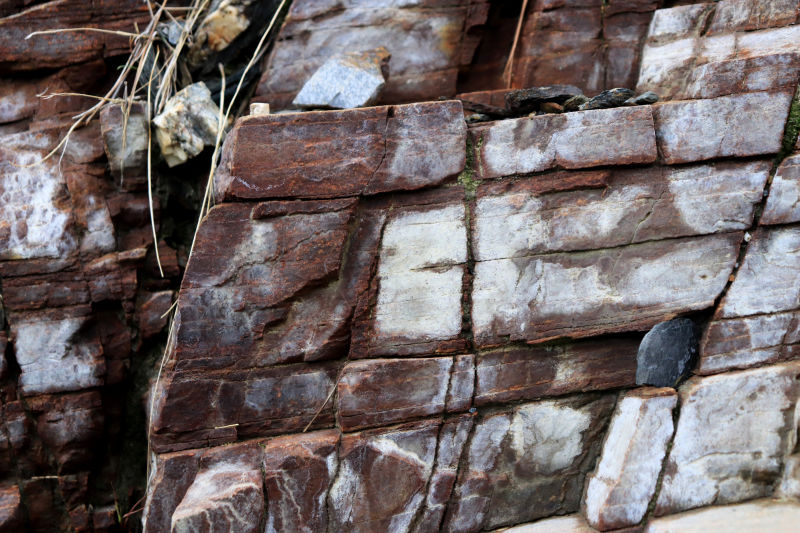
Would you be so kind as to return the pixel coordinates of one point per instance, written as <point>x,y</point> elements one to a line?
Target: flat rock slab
<point>629,288</point>
<point>731,437</point>
<point>729,126</point>
<point>621,136</point>
<point>783,204</point>
<point>342,153</point>
<point>667,353</point>
<point>763,515</point>
<point>619,490</point>
<point>527,462</point>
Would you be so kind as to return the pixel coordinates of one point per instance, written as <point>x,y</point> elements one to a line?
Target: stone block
<point>527,462</point>
<point>528,373</point>
<point>783,204</point>
<point>764,515</point>
<point>729,126</point>
<point>358,151</point>
<point>620,136</point>
<point>744,15</point>
<point>619,490</point>
<point>170,478</point>
<point>731,437</point>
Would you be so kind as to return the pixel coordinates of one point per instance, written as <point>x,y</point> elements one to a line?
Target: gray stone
<point>574,103</point>
<point>346,81</point>
<point>188,124</point>
<point>609,98</point>
<point>666,353</point>
<point>125,143</point>
<point>524,101</point>
<point>643,99</point>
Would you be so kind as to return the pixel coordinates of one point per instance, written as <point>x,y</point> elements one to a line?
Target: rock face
<point>667,353</point>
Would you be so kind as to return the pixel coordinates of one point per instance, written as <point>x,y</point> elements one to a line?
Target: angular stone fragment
<point>743,342</point>
<point>603,291</point>
<point>607,99</point>
<point>528,373</point>
<point>620,489</point>
<point>462,384</point>
<point>419,282</point>
<point>125,141</point>
<point>153,313</point>
<point>346,81</point>
<point>56,351</point>
<point>774,254</point>
<point>359,151</point>
<point>298,471</point>
<point>645,98</point>
<point>731,437</point>
<point>572,140</point>
<point>667,353</point>
<point>676,22</point>
<point>729,126</point>
<point>528,462</point>
<point>765,515</point>
<point>382,391</point>
<point>382,478</point>
<point>783,203</point>
<point>523,101</point>
<point>428,43</point>
<point>11,518</point>
<point>613,208</point>
<point>188,123</point>
<point>226,497</point>
<point>170,478</point>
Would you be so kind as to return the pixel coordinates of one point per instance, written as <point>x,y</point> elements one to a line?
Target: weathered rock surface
<point>728,126</point>
<point>422,67</point>
<point>783,203</point>
<point>667,353</point>
<point>374,150</point>
<point>763,515</point>
<point>188,123</point>
<point>523,101</point>
<point>562,524</point>
<point>619,490</point>
<point>731,437</point>
<point>125,142</point>
<point>573,140</point>
<point>10,508</point>
<point>346,81</point>
<point>537,453</point>
<point>609,98</point>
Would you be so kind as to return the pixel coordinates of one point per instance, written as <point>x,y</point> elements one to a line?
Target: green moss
<point>467,176</point>
<point>792,127</point>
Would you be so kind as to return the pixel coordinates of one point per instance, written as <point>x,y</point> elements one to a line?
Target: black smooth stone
<point>667,353</point>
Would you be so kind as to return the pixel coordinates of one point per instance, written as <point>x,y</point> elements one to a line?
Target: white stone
<point>188,123</point>
<point>662,63</point>
<point>761,516</point>
<point>562,524</point>
<point>731,437</point>
<point>772,255</point>
<point>675,22</point>
<point>420,273</point>
<point>620,489</point>
<point>345,81</point>
<point>783,204</point>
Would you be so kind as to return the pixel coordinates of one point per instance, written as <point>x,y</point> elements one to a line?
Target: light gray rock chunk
<point>620,489</point>
<point>733,433</point>
<point>189,123</point>
<point>125,143</point>
<point>783,204</point>
<point>349,80</point>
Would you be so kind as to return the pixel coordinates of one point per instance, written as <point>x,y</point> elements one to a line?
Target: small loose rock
<point>643,99</point>
<point>524,101</point>
<point>666,353</point>
<point>607,99</point>
<point>574,103</point>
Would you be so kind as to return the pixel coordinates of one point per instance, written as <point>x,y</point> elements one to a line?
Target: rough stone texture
<point>375,150</point>
<point>428,42</point>
<point>731,437</point>
<point>125,142</point>
<point>783,204</point>
<point>537,453</point>
<point>188,123</point>
<point>764,515</point>
<point>620,489</point>
<point>573,140</point>
<point>562,524</point>
<point>667,353</point>
<point>10,508</point>
<point>738,126</point>
<point>528,373</point>
<point>349,80</point>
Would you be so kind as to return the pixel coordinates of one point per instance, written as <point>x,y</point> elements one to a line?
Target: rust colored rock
<point>529,373</point>
<point>375,150</point>
<point>729,126</point>
<point>621,136</point>
<point>528,462</point>
<point>66,48</point>
<point>169,480</point>
<point>298,472</point>
<point>402,458</point>
<point>783,204</point>
<point>383,391</point>
<point>10,508</point>
<point>423,67</point>
<point>574,295</point>
<point>152,313</point>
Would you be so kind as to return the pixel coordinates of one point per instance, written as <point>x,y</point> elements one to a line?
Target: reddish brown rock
<point>170,477</point>
<point>153,313</point>
<point>620,136</point>
<point>783,204</point>
<point>400,460</point>
<point>534,372</point>
<point>729,126</point>
<point>298,472</point>
<point>10,509</point>
<point>376,149</point>
<point>382,391</point>
<point>582,294</point>
<point>527,462</point>
<point>423,67</point>
<point>742,15</point>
